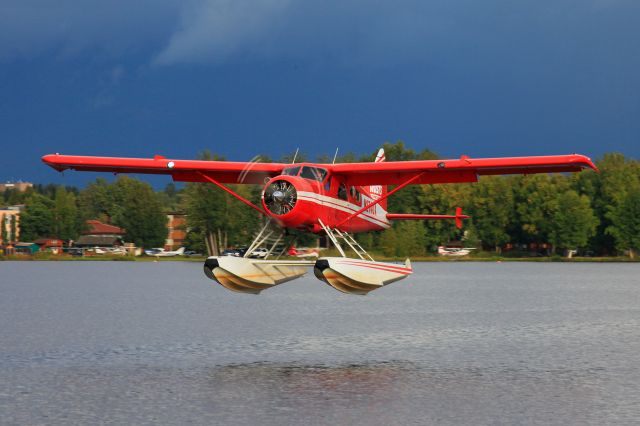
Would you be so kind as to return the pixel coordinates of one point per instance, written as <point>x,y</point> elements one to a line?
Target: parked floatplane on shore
<point>332,199</point>
<point>454,251</point>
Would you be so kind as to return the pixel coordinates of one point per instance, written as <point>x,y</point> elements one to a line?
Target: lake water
<point>455,344</point>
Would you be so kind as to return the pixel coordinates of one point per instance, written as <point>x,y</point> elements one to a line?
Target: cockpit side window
<point>313,173</point>
<point>327,185</point>
<point>291,171</point>
<point>355,194</point>
<point>342,192</point>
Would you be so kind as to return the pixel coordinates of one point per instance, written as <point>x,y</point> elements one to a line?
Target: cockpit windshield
<point>313,173</point>
<point>291,171</point>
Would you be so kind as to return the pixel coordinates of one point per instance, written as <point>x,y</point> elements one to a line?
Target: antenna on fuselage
<point>295,155</point>
<point>335,156</point>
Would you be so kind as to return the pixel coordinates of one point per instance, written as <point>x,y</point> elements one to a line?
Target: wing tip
<point>586,162</point>
<point>53,161</point>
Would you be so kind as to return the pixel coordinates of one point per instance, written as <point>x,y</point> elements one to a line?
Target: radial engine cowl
<point>280,197</point>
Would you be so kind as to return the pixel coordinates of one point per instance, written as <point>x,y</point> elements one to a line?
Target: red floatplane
<point>334,199</point>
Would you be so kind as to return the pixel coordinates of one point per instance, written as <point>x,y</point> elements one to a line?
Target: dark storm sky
<point>239,78</point>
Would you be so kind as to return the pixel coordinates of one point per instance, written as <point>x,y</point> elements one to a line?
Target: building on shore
<point>176,230</point>
<point>18,186</point>
<point>10,220</point>
<point>53,245</point>
<point>100,234</point>
<point>26,248</point>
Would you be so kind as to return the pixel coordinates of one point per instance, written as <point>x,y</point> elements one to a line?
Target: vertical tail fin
<point>459,217</point>
<point>379,191</point>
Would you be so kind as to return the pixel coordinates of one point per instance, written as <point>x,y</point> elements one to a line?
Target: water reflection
<point>319,394</point>
<point>309,381</point>
<point>367,393</point>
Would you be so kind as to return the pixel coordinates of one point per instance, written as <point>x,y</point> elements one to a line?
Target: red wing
<point>180,170</point>
<point>455,171</point>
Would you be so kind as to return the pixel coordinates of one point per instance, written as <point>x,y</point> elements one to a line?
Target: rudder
<point>379,191</point>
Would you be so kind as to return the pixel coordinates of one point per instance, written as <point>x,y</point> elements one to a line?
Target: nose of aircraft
<point>280,197</point>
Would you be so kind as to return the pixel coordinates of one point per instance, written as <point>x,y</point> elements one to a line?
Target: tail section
<point>379,191</point>
<point>459,217</point>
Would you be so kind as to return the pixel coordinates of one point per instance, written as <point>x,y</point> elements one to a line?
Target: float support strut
<point>233,193</point>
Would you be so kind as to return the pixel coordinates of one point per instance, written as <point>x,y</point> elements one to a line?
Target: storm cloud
<point>483,78</point>
<point>29,28</point>
<point>203,31</point>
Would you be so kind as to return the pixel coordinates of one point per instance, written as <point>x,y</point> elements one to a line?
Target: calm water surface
<point>455,344</point>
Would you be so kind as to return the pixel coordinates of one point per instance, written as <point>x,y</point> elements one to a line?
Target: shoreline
<point>54,258</point>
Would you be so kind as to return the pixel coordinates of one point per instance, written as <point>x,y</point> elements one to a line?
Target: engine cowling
<point>280,197</point>
<point>293,202</point>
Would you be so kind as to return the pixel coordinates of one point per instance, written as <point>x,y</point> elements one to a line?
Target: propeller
<point>280,197</point>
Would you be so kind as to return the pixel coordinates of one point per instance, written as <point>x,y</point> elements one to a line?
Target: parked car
<point>73,251</point>
<point>153,251</point>
<point>239,252</point>
<point>259,253</point>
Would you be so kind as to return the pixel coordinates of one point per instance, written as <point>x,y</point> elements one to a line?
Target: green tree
<point>411,238</point>
<point>13,229</point>
<point>97,201</point>
<point>399,152</point>
<point>37,219</point>
<point>127,203</point>
<point>365,239</point>
<point>618,176</point>
<point>170,197</point>
<point>204,205</point>
<point>66,223</point>
<point>388,242</point>
<point>573,222</point>
<point>139,212</point>
<point>625,223</point>
<point>3,229</point>
<point>536,200</point>
<point>491,210</point>
<point>14,196</point>
<point>299,157</point>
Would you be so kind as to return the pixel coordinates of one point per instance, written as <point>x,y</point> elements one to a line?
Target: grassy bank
<point>475,257</point>
<point>488,256</point>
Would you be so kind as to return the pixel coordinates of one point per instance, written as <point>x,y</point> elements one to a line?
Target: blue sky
<point>239,78</point>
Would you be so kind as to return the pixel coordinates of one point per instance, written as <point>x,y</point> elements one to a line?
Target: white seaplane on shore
<point>454,251</point>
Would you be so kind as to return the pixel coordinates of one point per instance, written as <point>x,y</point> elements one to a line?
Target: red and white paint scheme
<point>336,199</point>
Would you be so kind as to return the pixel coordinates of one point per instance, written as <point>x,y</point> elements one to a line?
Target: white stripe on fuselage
<point>345,206</point>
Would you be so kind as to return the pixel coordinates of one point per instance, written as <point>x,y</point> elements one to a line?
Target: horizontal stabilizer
<point>410,216</point>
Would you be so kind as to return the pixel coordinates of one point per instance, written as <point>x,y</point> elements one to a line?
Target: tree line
<point>594,212</point>
<point>598,213</point>
<point>55,211</point>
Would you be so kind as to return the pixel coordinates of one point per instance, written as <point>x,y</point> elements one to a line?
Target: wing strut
<point>393,191</point>
<point>233,193</point>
